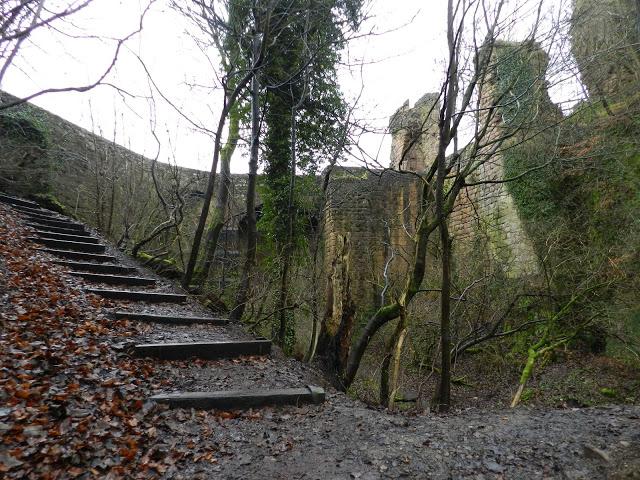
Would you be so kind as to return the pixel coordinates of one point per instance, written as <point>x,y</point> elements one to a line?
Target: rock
<point>9,461</point>
<point>575,475</point>
<point>595,453</point>
<point>493,467</point>
<point>629,471</point>
<point>33,431</point>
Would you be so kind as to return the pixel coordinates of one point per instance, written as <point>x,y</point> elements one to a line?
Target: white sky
<point>403,63</point>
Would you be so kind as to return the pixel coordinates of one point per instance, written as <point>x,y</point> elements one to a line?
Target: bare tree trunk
<point>390,370</point>
<point>444,389</point>
<point>112,202</point>
<point>394,376</point>
<point>222,197</point>
<point>230,100</point>
<point>252,232</point>
<point>315,302</point>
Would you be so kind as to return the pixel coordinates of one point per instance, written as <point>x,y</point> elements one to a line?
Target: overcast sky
<point>402,62</point>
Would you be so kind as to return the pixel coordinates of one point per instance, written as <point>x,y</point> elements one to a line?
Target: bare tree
<point>20,18</point>
<point>236,78</point>
<point>470,93</point>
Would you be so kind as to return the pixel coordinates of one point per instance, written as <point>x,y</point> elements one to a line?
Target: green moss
<point>527,395</point>
<point>48,200</point>
<point>24,162</point>
<point>25,124</point>
<point>608,392</point>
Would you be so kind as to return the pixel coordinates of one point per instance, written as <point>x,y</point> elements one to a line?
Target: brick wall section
<point>489,210</point>
<point>375,210</point>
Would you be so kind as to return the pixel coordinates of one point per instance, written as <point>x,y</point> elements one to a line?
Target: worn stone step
<point>39,216</point>
<point>39,211</point>
<point>151,297</point>
<point>114,279</point>
<point>204,350</point>
<point>17,201</point>
<point>170,319</point>
<point>94,257</point>
<point>48,228</point>
<point>97,267</point>
<point>242,399</point>
<point>36,217</point>
<point>67,245</point>
<point>59,224</point>
<point>66,236</point>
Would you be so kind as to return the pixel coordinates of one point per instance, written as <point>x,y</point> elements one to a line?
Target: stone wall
<point>105,184</point>
<point>83,167</point>
<point>374,212</point>
<point>605,40</point>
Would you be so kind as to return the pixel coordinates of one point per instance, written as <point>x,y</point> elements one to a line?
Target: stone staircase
<point>100,266</point>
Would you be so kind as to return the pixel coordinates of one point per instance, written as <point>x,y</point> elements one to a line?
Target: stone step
<point>114,279</point>
<point>17,201</point>
<point>67,245</point>
<point>66,236</point>
<point>97,267</point>
<point>36,217</point>
<point>151,297</point>
<point>204,350</point>
<point>39,211</point>
<point>48,228</point>
<point>170,319</point>
<point>59,224</point>
<point>95,257</point>
<point>242,399</point>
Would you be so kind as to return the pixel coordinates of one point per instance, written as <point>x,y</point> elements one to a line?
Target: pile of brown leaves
<point>70,405</point>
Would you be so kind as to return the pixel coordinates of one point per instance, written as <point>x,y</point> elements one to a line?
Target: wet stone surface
<point>156,333</point>
<point>235,374</point>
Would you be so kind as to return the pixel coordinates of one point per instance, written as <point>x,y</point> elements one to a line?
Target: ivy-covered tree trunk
<point>278,197</point>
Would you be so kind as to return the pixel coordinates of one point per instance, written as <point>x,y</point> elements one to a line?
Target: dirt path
<point>341,439</point>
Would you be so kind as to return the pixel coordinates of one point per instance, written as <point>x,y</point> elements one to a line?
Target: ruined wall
<point>488,212</point>
<point>105,184</point>
<point>374,212</point>
<point>605,40</point>
<point>517,82</point>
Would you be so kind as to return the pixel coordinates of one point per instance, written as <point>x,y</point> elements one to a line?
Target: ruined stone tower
<point>605,40</point>
<point>516,82</point>
<point>370,215</point>
<point>414,133</point>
